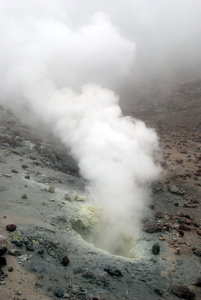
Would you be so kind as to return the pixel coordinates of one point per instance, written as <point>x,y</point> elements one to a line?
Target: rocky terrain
<point>44,215</point>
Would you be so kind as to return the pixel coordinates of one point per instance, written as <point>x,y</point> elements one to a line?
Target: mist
<point>62,62</point>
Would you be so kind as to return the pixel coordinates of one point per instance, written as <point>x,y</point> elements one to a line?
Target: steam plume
<point>54,75</point>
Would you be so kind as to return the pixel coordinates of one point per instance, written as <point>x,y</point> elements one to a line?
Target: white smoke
<point>54,73</point>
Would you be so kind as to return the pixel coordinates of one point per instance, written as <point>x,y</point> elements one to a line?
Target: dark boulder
<point>11,227</point>
<point>65,261</point>
<point>113,272</point>
<point>182,291</point>
<point>156,248</point>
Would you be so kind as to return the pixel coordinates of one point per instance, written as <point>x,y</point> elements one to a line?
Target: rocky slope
<point>46,255</point>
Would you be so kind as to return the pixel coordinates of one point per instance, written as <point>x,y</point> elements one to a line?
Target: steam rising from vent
<point>54,75</point>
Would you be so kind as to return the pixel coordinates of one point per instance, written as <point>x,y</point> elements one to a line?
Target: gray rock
<point>59,293</point>
<point>37,267</point>
<point>51,189</point>
<point>14,252</point>
<point>42,178</point>
<point>182,291</point>
<point>175,190</point>
<point>73,196</point>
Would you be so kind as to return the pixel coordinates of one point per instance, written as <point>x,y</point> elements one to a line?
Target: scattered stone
<point>18,293</point>
<point>73,196</point>
<point>175,190</point>
<point>113,272</point>
<point>151,206</point>
<point>16,152</point>
<point>198,282</point>
<point>182,291</point>
<point>197,252</point>
<point>3,246</point>
<point>51,189</point>
<point>2,261</point>
<point>153,228</point>
<point>80,198</point>
<point>183,227</point>
<point>194,201</point>
<point>47,179</point>
<point>161,238</point>
<point>74,288</point>
<point>66,295</point>
<point>158,292</point>
<point>10,269</point>
<point>188,222</point>
<point>181,233</point>
<point>23,258</point>
<point>159,214</point>
<point>11,227</point>
<point>59,293</point>
<point>25,166</point>
<point>65,261</point>
<point>27,177</point>
<point>88,274</point>
<point>14,252</point>
<point>7,175</point>
<point>37,267</point>
<point>177,252</point>
<point>167,227</point>
<point>24,196</point>
<point>156,248</point>
<point>29,247</point>
<point>14,171</point>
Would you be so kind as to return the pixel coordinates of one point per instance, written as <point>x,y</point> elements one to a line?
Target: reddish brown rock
<point>188,222</point>
<point>11,227</point>
<point>183,227</point>
<point>24,196</point>
<point>25,166</point>
<point>194,201</point>
<point>153,228</point>
<point>177,252</point>
<point>181,233</point>
<point>10,269</point>
<point>167,228</point>
<point>159,214</point>
<point>2,261</point>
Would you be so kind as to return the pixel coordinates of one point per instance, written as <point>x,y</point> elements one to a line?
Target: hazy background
<point>167,33</point>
